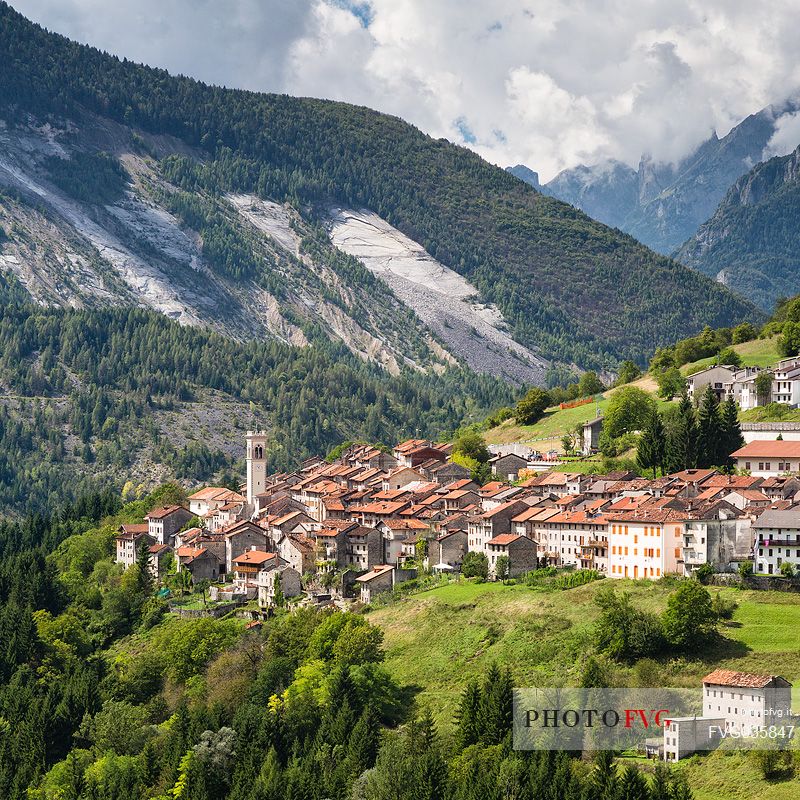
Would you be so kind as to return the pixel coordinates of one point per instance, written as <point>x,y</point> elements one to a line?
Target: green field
<point>549,430</point>
<point>439,639</point>
<point>757,353</point>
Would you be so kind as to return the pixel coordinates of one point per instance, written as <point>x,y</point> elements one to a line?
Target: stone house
<point>298,551</point>
<point>163,523</point>
<point>508,466</point>
<point>520,550</point>
<point>448,550</point>
<point>285,576</point>
<point>364,547</point>
<point>493,523</point>
<point>128,541</point>
<point>401,477</point>
<point>241,537</point>
<point>248,565</point>
<point>449,473</point>
<point>378,580</point>
<point>396,531</point>
<point>201,563</point>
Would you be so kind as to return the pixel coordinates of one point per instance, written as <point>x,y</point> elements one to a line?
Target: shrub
<point>532,406</point>
<point>475,565</point>
<point>703,573</point>
<point>746,569</point>
<point>689,619</point>
<point>723,608</point>
<point>787,569</point>
<point>623,632</point>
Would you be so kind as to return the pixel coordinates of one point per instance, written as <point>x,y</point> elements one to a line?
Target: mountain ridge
<point>751,242</point>
<point>514,245</point>
<point>660,204</point>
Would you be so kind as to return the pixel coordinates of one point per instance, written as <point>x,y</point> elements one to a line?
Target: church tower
<point>256,464</point>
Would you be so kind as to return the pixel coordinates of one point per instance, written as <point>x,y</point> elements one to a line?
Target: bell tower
<point>256,464</point>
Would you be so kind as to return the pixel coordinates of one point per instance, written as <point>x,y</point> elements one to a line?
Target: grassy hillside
<point>547,432</point>
<point>757,353</point>
<point>439,639</point>
<point>516,245</point>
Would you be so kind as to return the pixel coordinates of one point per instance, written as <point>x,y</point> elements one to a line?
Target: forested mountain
<point>662,205</point>
<point>752,243</point>
<point>90,396</point>
<point>555,275</point>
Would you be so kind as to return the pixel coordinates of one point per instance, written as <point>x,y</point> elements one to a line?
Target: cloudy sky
<point>547,83</point>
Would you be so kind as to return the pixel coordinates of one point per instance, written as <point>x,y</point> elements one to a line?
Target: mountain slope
<point>606,193</point>
<point>89,395</point>
<point>520,250</point>
<point>752,242</point>
<point>662,205</point>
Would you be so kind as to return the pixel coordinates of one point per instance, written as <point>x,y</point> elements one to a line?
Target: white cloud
<point>549,83</point>
<point>786,137</point>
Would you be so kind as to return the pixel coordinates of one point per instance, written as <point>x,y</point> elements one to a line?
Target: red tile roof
<point>769,449</point>
<point>505,538</point>
<point>160,513</point>
<point>253,557</point>
<point>745,680</point>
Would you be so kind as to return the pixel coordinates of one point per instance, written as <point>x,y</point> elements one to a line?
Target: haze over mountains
<point>752,242</point>
<point>669,207</point>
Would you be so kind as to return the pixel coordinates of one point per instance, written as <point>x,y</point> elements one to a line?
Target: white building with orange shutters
<point>645,543</point>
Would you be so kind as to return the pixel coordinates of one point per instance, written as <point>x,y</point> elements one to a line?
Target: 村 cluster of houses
<point>375,516</point>
<point>739,383</point>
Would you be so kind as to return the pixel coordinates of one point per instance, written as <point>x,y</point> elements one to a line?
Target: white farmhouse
<point>777,540</point>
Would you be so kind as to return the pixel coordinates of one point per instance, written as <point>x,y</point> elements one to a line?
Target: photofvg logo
<point>657,721</point>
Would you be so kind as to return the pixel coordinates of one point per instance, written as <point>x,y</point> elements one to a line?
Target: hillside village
<point>370,520</point>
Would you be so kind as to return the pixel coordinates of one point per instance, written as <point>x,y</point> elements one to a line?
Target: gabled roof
<point>216,493</point>
<point>405,524</point>
<point>133,531</point>
<point>164,511</point>
<point>504,508</point>
<point>289,517</point>
<point>772,518</point>
<point>775,448</point>
<point>744,680</point>
<point>535,514</point>
<point>187,553</point>
<point>376,571</point>
<point>254,558</point>
<point>507,538</point>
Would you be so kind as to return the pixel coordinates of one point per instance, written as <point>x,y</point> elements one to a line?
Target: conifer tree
<point>731,430</point>
<point>497,716</point>
<point>633,785</point>
<point>145,577</point>
<point>709,431</point>
<point>363,745</point>
<point>681,448</point>
<point>651,451</point>
<point>603,780</point>
<point>468,715</point>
